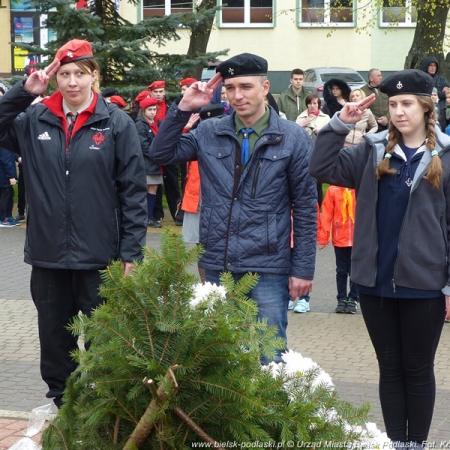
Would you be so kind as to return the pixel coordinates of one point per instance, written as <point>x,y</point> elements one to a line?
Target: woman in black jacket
<point>86,191</point>
<point>336,94</point>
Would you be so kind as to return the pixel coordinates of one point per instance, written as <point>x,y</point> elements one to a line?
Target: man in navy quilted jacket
<point>258,205</point>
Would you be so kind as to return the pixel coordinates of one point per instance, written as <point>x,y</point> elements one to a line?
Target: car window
<point>348,77</point>
<point>310,76</point>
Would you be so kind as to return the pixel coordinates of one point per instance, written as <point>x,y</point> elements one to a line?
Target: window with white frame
<point>315,13</point>
<point>158,8</point>
<point>246,13</point>
<point>398,13</point>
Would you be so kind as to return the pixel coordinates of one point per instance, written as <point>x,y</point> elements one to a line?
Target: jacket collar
<point>53,111</point>
<point>379,141</point>
<point>225,126</point>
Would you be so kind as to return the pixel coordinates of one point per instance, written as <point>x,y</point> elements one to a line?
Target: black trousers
<point>58,296</point>
<point>6,202</point>
<point>21,199</point>
<point>172,191</point>
<point>405,334</point>
<point>343,267</point>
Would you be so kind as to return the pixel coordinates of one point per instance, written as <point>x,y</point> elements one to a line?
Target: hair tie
<point>387,156</point>
<point>434,153</point>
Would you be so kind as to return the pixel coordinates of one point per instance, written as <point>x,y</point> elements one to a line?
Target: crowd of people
<point>251,168</point>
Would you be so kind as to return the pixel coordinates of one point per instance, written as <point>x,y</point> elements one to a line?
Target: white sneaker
<point>291,305</point>
<point>302,306</point>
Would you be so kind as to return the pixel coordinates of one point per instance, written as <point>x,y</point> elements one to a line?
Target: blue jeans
<point>271,295</point>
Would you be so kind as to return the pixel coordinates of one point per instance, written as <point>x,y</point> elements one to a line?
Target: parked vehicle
<point>316,77</point>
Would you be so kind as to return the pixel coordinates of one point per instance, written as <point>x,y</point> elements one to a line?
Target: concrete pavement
<point>339,343</point>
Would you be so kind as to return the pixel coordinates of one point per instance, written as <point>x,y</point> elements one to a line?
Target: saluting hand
<point>37,82</point>
<point>199,94</point>
<point>352,112</point>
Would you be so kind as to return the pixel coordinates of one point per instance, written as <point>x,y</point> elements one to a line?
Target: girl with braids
<point>400,249</point>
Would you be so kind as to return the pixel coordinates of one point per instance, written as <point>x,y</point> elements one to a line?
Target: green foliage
<point>148,325</point>
<point>129,54</point>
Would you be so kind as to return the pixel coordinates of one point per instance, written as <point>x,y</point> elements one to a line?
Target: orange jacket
<point>191,197</point>
<point>337,217</point>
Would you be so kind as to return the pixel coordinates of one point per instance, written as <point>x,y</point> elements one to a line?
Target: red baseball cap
<point>158,84</point>
<point>118,100</point>
<point>188,81</point>
<point>74,50</point>
<point>149,101</point>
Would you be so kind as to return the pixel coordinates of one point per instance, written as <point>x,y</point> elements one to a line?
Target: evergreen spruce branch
<point>154,411</point>
<point>196,429</point>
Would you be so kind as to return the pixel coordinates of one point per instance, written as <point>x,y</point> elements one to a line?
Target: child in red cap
<point>147,129</point>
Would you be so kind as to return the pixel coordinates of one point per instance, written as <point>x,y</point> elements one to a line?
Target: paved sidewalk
<point>339,343</point>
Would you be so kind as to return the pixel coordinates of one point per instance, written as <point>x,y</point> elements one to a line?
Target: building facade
<point>289,33</point>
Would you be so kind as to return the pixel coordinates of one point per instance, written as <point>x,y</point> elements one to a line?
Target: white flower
<point>207,294</point>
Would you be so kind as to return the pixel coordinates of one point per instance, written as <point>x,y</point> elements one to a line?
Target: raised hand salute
<point>199,94</point>
<point>37,82</point>
<point>352,112</point>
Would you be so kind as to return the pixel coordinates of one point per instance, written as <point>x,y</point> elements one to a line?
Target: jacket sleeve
<point>131,189</point>
<point>303,192</point>
<point>14,102</point>
<point>333,164</point>
<point>170,145</point>
<point>326,218</point>
<point>372,124</point>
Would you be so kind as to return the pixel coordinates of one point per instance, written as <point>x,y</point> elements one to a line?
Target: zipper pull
<point>393,285</point>
<point>67,173</point>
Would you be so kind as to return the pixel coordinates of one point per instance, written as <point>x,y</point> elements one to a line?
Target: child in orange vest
<point>337,219</point>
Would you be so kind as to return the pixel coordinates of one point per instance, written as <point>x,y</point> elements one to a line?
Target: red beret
<point>188,81</point>
<point>118,100</point>
<point>74,50</point>
<point>141,96</point>
<point>149,101</point>
<point>158,84</point>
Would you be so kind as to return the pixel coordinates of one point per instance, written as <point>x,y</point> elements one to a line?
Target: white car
<point>316,77</point>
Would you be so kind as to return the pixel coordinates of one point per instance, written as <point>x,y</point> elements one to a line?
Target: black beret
<point>409,81</point>
<point>211,110</point>
<point>109,92</point>
<point>243,65</point>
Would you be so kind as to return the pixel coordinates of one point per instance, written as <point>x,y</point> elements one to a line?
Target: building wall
<point>5,38</point>
<point>286,45</point>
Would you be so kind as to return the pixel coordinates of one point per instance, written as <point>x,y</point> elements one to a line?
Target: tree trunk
<point>200,33</point>
<point>430,30</point>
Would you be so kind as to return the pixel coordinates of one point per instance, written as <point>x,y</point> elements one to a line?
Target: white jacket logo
<point>44,137</point>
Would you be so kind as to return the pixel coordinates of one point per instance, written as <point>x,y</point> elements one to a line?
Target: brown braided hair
<point>434,173</point>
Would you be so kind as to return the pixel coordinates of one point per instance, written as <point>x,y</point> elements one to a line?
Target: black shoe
<point>178,223</point>
<point>154,223</point>
<point>340,308</point>
<point>20,218</point>
<point>351,306</point>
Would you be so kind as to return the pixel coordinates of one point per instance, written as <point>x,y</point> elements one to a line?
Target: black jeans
<point>343,266</point>
<point>405,334</point>
<point>6,202</point>
<point>58,295</point>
